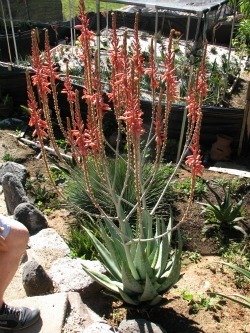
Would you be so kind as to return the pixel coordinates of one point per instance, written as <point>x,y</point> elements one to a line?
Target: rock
<point>14,192</point>
<point>47,246</point>
<point>12,123</point>
<point>68,275</point>
<point>53,309</point>
<point>139,326</point>
<point>99,328</point>
<point>80,315</point>
<point>17,169</point>
<point>36,281</point>
<point>31,217</point>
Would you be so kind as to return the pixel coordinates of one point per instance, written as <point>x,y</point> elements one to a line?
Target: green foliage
<point>241,42</point>
<point>62,143</point>
<point>243,6</point>
<point>45,199</point>
<point>238,254</point>
<point>90,6</point>
<point>77,194</point>
<point>199,302</point>
<point>243,300</point>
<point>80,244</point>
<point>223,215</point>
<point>7,157</point>
<point>139,271</point>
<point>183,187</point>
<point>58,175</point>
<point>193,257</point>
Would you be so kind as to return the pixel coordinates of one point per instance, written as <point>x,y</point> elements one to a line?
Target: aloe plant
<point>139,271</point>
<point>125,196</point>
<point>223,215</point>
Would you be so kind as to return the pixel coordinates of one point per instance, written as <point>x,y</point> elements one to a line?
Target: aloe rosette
<point>138,270</point>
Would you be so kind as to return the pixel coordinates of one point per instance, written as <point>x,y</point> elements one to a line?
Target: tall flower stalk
<point>138,256</point>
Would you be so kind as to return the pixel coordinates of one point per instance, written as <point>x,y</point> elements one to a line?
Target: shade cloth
<point>193,6</point>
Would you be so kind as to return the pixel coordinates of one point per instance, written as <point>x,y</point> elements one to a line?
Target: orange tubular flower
<point>192,106</point>
<point>194,161</point>
<point>151,71</point>
<point>195,98</point>
<point>169,74</point>
<point>68,90</point>
<point>40,125</point>
<point>36,120</point>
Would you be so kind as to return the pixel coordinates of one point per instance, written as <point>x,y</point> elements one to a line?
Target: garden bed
<point>189,307</point>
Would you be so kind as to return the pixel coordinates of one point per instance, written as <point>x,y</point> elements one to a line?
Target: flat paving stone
<point>53,309</point>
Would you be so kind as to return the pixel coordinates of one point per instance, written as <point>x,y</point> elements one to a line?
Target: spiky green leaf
<point>149,292</point>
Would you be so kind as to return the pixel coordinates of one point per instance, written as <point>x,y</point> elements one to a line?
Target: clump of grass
<point>80,244</point>
<point>7,157</point>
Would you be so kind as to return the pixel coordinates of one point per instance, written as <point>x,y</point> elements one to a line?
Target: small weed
<point>57,175</point>
<point>45,199</point>
<point>184,186</point>
<point>7,157</point>
<point>62,143</point>
<point>193,257</point>
<point>197,302</point>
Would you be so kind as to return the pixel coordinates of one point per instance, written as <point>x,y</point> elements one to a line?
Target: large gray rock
<point>31,217</point>
<point>36,281</point>
<point>139,326</point>
<point>16,169</point>
<point>47,246</point>
<point>68,275</point>
<point>14,192</point>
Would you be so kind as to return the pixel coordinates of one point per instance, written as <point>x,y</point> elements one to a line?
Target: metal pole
<point>13,32</point>
<point>98,32</point>
<point>230,48</point>
<point>71,25</point>
<point>231,37</point>
<point>205,27</point>
<point>187,31</point>
<point>156,30</point>
<point>6,32</point>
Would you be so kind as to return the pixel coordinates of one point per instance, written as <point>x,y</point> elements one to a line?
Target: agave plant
<point>225,214</point>
<point>243,300</point>
<point>123,196</point>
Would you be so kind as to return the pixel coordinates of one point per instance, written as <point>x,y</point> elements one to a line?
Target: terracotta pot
<point>221,149</point>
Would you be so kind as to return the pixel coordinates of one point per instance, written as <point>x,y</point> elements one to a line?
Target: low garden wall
<point>216,120</point>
